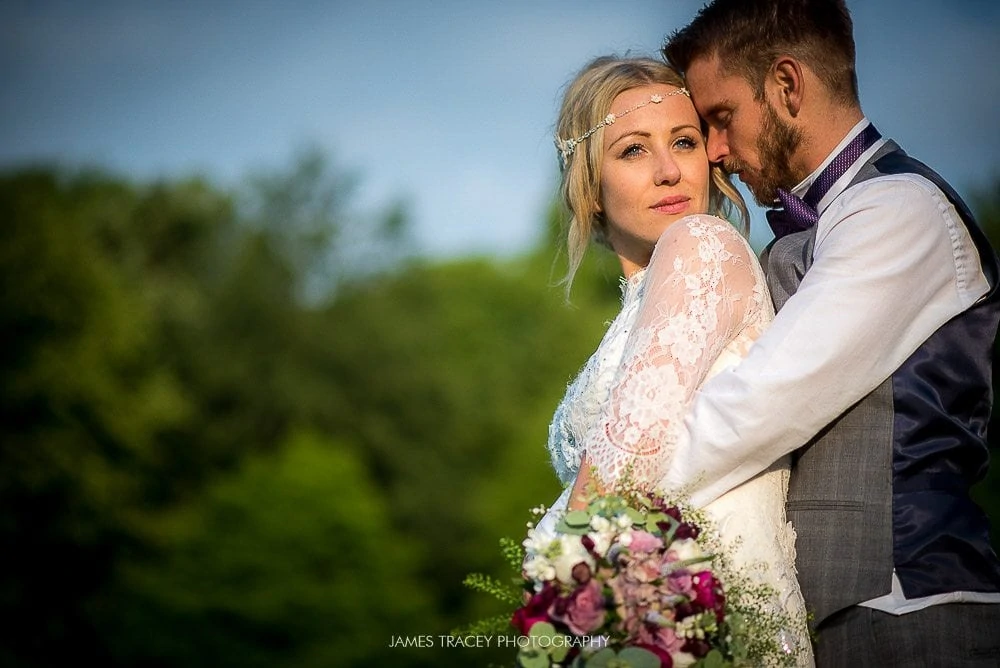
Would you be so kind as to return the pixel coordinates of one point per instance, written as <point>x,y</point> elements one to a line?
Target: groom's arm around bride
<point>876,371</point>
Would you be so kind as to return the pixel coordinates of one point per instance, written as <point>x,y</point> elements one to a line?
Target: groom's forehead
<point>713,86</point>
<point>709,70</point>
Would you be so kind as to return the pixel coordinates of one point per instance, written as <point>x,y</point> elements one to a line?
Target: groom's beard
<point>776,144</point>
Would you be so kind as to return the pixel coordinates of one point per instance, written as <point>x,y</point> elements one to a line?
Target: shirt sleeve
<point>892,263</point>
<point>700,291</point>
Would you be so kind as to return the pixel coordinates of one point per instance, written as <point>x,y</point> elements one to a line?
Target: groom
<point>876,373</point>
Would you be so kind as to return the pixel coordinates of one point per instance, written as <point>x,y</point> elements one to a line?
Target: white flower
<point>600,524</point>
<point>538,539</point>
<point>602,541</point>
<point>571,554</point>
<point>609,119</point>
<point>539,568</point>
<point>687,548</point>
<point>656,99</point>
<point>683,659</point>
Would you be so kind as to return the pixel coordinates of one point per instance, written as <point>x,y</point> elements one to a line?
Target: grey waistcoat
<point>853,497</point>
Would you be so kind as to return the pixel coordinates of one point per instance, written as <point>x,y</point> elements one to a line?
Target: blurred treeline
<point>249,428</point>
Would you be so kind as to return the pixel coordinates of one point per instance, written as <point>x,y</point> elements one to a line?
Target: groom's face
<point>745,134</point>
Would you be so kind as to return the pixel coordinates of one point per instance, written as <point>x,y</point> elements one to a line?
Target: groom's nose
<point>717,145</point>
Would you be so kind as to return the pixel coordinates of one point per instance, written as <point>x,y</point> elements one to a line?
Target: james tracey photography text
<point>445,640</point>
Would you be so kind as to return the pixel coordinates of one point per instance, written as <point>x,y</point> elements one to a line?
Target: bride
<point>637,179</point>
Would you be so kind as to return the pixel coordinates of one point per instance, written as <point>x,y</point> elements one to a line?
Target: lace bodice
<point>694,310</point>
<point>700,300</point>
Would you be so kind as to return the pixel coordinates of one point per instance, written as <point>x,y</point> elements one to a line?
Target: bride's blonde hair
<point>585,105</point>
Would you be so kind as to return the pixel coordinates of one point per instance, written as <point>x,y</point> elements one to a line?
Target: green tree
<point>83,399</point>
<point>289,560</point>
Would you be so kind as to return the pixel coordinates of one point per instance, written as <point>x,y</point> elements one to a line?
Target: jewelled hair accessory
<point>567,146</point>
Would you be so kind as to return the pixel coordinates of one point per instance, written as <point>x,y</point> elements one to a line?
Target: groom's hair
<point>748,35</point>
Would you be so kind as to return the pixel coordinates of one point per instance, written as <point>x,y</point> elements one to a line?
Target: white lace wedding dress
<point>695,309</point>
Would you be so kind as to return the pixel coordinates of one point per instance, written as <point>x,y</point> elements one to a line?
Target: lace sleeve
<point>701,290</point>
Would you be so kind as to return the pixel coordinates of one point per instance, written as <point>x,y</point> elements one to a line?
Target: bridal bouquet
<point>635,581</point>
<point>627,582</point>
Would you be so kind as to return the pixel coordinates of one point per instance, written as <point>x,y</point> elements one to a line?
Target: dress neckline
<point>630,286</point>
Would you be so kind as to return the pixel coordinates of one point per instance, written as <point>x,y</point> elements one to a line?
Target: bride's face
<point>654,171</point>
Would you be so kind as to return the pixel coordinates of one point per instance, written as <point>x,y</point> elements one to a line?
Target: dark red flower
<point>682,610</point>
<point>709,594</point>
<point>695,647</point>
<point>535,610</point>
<point>657,502</point>
<point>686,530</point>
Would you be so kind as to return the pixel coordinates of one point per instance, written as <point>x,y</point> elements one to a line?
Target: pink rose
<point>679,582</point>
<point>646,569</point>
<point>583,611</point>
<point>662,637</point>
<point>535,610</point>
<point>643,541</point>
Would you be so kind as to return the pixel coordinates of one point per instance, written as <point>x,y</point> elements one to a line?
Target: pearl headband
<point>567,146</point>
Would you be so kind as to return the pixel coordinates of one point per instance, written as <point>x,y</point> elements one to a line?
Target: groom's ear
<point>787,81</point>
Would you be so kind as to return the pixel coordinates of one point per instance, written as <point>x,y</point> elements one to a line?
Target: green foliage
<point>85,398</point>
<point>471,358</point>
<point>630,657</point>
<point>288,560</point>
<point>243,428</point>
<point>508,592</point>
<point>544,647</point>
<point>168,345</point>
<point>489,585</point>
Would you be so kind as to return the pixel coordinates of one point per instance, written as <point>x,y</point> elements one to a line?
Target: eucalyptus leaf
<point>636,657</point>
<point>713,659</point>
<point>602,658</point>
<point>559,651</point>
<point>657,516</point>
<point>635,516</point>
<point>544,641</point>
<point>529,657</point>
<point>562,527</point>
<point>542,630</point>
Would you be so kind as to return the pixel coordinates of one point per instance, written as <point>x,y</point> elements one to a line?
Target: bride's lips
<point>672,204</point>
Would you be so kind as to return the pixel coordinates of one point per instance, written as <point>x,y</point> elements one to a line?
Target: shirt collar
<point>803,186</point>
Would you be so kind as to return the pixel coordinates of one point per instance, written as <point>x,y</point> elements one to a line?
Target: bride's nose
<point>668,172</point>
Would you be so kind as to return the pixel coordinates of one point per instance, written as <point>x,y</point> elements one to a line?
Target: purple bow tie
<point>799,214</point>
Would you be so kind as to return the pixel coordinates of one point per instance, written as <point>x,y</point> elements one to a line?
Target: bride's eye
<point>686,143</point>
<point>632,150</point>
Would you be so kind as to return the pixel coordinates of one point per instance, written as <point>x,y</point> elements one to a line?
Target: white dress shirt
<point>892,262</point>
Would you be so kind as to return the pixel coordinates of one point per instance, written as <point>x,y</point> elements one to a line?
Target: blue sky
<point>447,105</point>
